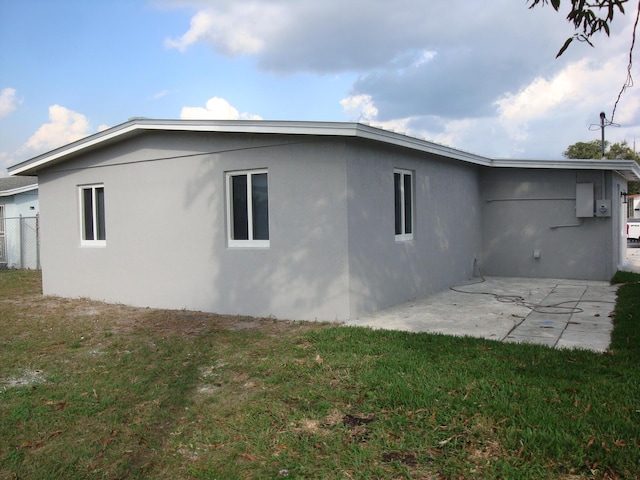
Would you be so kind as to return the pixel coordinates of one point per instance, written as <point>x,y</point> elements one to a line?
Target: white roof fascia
<point>374,133</point>
<point>16,191</point>
<point>315,128</point>
<point>627,168</point>
<point>246,126</point>
<point>71,148</point>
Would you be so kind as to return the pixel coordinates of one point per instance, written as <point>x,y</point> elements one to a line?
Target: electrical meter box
<point>603,208</point>
<point>584,200</point>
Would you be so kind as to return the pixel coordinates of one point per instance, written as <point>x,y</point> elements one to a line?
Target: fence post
<point>38,241</point>
<point>20,237</point>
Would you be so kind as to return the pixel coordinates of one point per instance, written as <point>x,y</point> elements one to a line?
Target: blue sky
<point>479,76</point>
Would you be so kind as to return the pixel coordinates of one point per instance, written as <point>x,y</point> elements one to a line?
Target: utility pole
<point>602,119</point>
<point>603,124</point>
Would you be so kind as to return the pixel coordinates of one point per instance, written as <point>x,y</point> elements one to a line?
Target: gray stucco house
<point>310,220</point>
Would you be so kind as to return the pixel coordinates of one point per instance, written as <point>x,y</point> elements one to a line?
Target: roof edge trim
<point>16,191</point>
<point>344,129</point>
<point>630,169</point>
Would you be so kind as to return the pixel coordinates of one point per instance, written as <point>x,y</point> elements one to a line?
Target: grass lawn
<point>92,390</point>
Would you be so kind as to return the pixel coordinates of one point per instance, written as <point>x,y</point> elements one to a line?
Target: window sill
<point>404,238</point>
<point>248,244</point>
<point>93,244</point>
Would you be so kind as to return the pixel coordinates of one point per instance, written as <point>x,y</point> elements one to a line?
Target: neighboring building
<point>310,220</point>
<point>19,222</point>
<point>633,203</point>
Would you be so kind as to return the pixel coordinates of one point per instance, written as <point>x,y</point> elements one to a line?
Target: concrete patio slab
<point>552,312</point>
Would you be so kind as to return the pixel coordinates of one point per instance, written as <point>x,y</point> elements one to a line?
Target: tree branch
<point>629,81</point>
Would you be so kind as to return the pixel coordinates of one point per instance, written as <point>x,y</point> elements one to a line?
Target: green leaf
<point>565,46</point>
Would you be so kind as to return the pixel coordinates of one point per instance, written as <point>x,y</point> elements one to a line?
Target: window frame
<point>404,235</point>
<point>250,242</point>
<point>95,216</point>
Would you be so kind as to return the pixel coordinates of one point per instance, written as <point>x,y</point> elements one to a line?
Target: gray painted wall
<point>165,227</point>
<point>520,207</point>
<point>447,229</point>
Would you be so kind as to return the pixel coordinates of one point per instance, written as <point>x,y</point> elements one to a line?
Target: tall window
<point>248,208</point>
<point>403,191</point>
<point>92,213</point>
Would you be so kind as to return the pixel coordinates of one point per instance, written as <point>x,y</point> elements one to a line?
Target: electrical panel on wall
<point>584,200</point>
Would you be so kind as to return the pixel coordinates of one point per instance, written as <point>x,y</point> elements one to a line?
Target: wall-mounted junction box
<point>603,208</point>
<point>584,200</point>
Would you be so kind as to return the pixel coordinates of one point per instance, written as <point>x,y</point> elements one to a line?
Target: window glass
<point>260,206</point>
<point>407,205</point>
<point>398,197</point>
<point>403,198</point>
<point>240,218</point>
<point>88,213</point>
<point>100,213</point>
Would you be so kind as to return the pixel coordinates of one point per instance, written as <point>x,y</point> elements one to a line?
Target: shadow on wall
<point>303,272</point>
<point>447,233</point>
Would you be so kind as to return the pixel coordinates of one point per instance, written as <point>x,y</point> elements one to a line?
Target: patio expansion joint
<point>531,325</point>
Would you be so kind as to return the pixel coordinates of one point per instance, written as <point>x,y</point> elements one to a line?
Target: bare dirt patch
<point>118,318</point>
<point>27,378</point>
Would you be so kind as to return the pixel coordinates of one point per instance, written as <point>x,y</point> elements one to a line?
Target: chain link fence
<point>20,242</point>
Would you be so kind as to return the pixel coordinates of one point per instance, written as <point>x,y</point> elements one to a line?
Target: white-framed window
<point>92,219</point>
<point>403,194</point>
<point>248,208</point>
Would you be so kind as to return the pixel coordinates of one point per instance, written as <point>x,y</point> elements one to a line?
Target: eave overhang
<point>629,169</point>
<point>16,191</point>
<point>339,129</point>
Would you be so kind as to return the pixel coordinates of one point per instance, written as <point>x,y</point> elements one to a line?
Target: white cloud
<point>579,82</point>
<point>334,36</point>
<point>8,101</point>
<point>65,126</point>
<point>581,89</point>
<point>359,108</point>
<point>216,109</point>
<point>239,28</point>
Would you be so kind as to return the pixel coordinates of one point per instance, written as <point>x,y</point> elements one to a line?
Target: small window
<point>403,191</point>
<point>248,208</point>
<point>92,215</point>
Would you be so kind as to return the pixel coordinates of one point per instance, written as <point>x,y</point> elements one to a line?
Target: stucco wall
<point>525,210</point>
<point>165,227</point>
<point>447,227</point>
